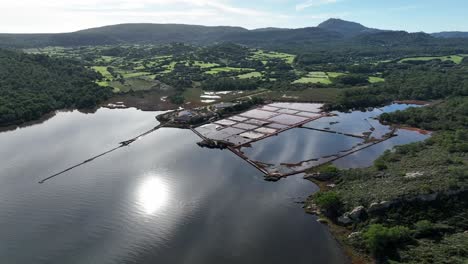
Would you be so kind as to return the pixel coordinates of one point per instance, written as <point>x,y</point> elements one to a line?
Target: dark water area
<point>162,199</point>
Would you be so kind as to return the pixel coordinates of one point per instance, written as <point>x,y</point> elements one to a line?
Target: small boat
<point>127,142</point>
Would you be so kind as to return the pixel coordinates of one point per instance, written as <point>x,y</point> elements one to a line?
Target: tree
<point>352,79</point>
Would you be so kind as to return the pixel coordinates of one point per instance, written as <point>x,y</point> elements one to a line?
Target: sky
<point>53,16</point>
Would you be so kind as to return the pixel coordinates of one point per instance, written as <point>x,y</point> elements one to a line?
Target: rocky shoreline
<point>341,225</point>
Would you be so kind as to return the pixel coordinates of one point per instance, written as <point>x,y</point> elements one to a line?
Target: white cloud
<point>32,16</point>
<point>311,3</point>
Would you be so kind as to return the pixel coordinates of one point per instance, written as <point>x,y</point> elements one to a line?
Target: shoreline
<point>41,120</point>
<point>45,118</point>
<point>339,233</point>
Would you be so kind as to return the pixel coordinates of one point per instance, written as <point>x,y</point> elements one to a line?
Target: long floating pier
<point>122,144</point>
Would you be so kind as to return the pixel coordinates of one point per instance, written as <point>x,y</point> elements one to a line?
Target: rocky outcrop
<point>379,206</point>
<point>357,213</point>
<point>345,219</point>
<point>413,175</point>
<point>355,216</point>
<point>354,235</point>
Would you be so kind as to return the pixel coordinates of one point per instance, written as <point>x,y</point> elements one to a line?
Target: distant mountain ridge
<point>450,34</point>
<point>330,32</point>
<point>122,34</point>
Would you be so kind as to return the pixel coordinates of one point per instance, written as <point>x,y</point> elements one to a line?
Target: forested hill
<point>122,34</point>
<point>331,34</point>
<point>33,85</point>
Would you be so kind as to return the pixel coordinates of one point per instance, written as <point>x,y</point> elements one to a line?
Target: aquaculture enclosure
<point>259,123</point>
<point>282,139</point>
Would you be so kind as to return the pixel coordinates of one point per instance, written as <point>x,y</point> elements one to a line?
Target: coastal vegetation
<point>34,85</point>
<point>411,206</point>
<point>429,81</point>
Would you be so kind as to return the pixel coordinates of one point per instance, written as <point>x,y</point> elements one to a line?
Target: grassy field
<point>227,69</point>
<point>134,74</point>
<point>265,56</point>
<point>103,83</point>
<point>454,58</point>
<point>170,67</point>
<point>334,74</point>
<point>314,77</point>
<point>204,65</point>
<point>135,84</point>
<point>373,79</point>
<point>107,58</point>
<point>103,71</point>
<point>250,75</point>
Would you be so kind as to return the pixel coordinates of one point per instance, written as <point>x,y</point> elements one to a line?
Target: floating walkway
<point>121,145</point>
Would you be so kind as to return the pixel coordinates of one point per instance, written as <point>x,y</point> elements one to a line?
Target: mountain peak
<point>336,22</point>
<point>344,27</point>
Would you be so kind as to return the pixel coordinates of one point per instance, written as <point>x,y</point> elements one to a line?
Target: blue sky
<point>32,16</point>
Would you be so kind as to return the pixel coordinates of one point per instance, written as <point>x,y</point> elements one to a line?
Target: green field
<point>373,79</point>
<point>169,68</point>
<point>454,58</point>
<point>103,71</point>
<point>250,75</point>
<point>135,84</point>
<point>334,74</point>
<point>204,65</point>
<point>107,58</point>
<point>103,83</point>
<point>265,56</point>
<point>314,77</point>
<point>134,74</point>
<point>227,69</point>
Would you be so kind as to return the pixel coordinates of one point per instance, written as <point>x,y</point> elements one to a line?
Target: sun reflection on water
<point>153,195</point>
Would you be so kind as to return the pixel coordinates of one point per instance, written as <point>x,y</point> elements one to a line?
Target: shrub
<point>330,202</point>
<point>382,241</point>
<point>329,170</point>
<point>380,164</point>
<point>352,79</point>
<point>177,99</point>
<point>423,228</point>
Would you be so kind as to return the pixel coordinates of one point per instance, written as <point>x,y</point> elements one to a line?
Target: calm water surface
<point>161,200</point>
<point>300,144</point>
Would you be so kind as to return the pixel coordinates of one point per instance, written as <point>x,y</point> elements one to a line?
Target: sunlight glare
<point>153,194</point>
